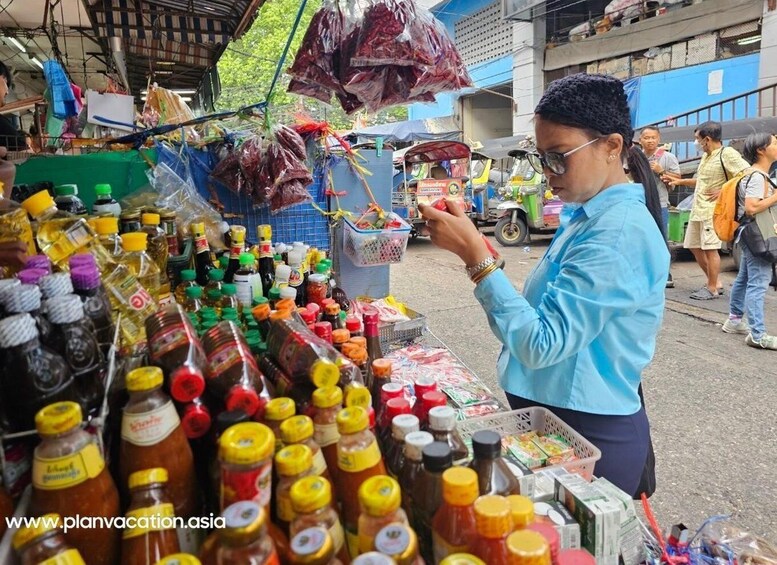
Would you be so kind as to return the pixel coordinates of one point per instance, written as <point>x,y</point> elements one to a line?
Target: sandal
<point>721,291</point>
<point>704,294</point>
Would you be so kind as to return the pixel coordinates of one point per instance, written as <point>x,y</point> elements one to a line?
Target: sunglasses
<point>554,162</point>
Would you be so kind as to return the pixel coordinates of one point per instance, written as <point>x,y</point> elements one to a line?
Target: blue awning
<point>431,129</point>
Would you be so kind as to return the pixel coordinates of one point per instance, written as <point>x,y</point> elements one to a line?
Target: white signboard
<point>519,9</point>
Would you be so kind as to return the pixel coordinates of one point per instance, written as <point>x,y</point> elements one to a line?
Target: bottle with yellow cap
<point>400,542</point>
<point>525,547</point>
<point>150,533</point>
<point>521,511</point>
<point>292,463</point>
<point>107,228</point>
<point>327,403</point>
<point>462,559</point>
<point>358,459</point>
<point>313,546</point>
<point>70,478</point>
<point>152,436</point>
<point>492,518</point>
<point>380,501</point>
<point>158,249</point>
<point>45,543</point>
<point>300,430</point>
<point>140,263</point>
<point>277,411</point>
<point>244,537</point>
<point>453,526</point>
<point>179,559</point>
<point>311,500</point>
<point>245,455</point>
<point>237,242</point>
<point>202,259</point>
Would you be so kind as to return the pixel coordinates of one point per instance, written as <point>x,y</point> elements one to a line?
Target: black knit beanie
<point>596,102</point>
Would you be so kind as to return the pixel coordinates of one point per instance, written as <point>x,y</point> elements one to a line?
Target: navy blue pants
<point>623,441</point>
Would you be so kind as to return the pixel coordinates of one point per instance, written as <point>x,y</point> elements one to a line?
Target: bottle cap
<point>423,385</point>
<point>282,273</point>
<point>340,336</point>
<point>326,397</point>
<point>22,298</point>
<point>224,259</point>
<point>551,535</point>
<point>433,399</point>
<point>85,278</point>
<point>528,547</point>
<point>295,258</point>
<point>415,442</point>
<point>317,278</point>
<point>82,260</point>
<point>195,420</point>
<point>16,330</point>
<point>373,558</point>
<point>198,229</point>
<point>58,418</point>
<point>216,275</point>
<point>25,535</point>
<point>237,234</point>
<point>179,559</point>
<point>243,522</point>
<point>492,516</point>
<point>264,231</point>
<point>260,300</point>
<point>294,460</point>
<point>31,275</point>
<point>149,219</point>
<point>102,189</point>
<point>188,275</point>
<point>214,294</point>
<point>66,190</point>
<point>228,289</point>
<point>38,203</point>
<point>6,286</point>
<point>247,443</point>
<point>371,316</point>
<point>398,541</point>
<point>42,262</point>
<point>486,444</point>
<point>442,419</point>
<point>380,495</point>
<point>462,559</point>
<point>323,330</point>
<point>134,241</point>
<point>352,324</point>
<point>66,309</point>
<point>193,292</point>
<point>397,406</point>
<point>158,475</point>
<point>313,307</point>
<point>246,259</point>
<point>575,557</point>
<point>381,368</point>
<point>312,545</point>
<point>261,312</point>
<point>144,378</point>
<point>310,494</point>
<point>274,294</point>
<point>460,486</point>
<point>352,420</point>
<point>326,302</point>
<point>297,429</point>
<point>332,310</point>
<point>186,383</point>
<point>106,225</point>
<point>288,293</point>
<point>307,316</point>
<point>280,408</point>
<point>229,418</point>
<point>437,457</point>
<point>361,341</point>
<point>389,391</point>
<point>285,304</point>
<point>358,395</point>
<point>242,397</point>
<point>321,269</point>
<point>521,510</point>
<point>402,425</point>
<point>56,284</point>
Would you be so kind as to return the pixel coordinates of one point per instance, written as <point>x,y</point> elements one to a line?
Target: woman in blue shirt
<point>579,336</point>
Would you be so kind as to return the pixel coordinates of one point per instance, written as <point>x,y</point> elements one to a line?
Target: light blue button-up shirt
<point>586,325</point>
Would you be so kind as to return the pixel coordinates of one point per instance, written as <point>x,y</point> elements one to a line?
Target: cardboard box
<point>525,476</point>
<point>545,483</point>
<point>631,545</point>
<point>557,515</point>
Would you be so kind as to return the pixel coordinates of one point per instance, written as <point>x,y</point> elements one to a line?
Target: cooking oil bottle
<point>135,304</point>
<point>14,224</point>
<point>107,228</point>
<point>140,264</point>
<point>157,248</point>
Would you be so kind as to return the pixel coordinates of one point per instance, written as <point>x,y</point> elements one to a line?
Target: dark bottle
<point>26,299</point>
<point>381,376</point>
<point>45,543</point>
<point>442,425</point>
<point>332,315</point>
<point>202,262</point>
<point>97,306</point>
<point>67,200</point>
<point>266,261</point>
<point>32,375</point>
<point>371,332</point>
<point>261,313</point>
<point>237,239</point>
<point>494,476</point>
<point>427,493</point>
<point>401,426</point>
<point>105,203</point>
<point>73,337</point>
<point>297,278</point>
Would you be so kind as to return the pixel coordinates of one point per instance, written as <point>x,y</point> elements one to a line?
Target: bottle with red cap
<point>421,386</point>
<point>394,407</point>
<point>354,326</point>
<point>429,400</point>
<point>315,309</point>
<point>324,331</point>
<point>372,333</point>
<point>195,418</point>
<point>308,316</point>
<point>388,391</point>
<point>401,426</point>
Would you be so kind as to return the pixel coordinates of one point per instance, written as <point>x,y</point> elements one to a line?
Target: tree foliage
<point>247,67</point>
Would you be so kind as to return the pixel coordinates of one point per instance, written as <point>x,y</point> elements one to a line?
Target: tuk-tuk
<point>442,169</point>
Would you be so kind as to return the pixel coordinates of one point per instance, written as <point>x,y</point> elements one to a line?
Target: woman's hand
<point>453,231</point>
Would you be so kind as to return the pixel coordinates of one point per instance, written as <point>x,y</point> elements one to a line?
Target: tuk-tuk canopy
<point>435,151</point>
<point>500,148</point>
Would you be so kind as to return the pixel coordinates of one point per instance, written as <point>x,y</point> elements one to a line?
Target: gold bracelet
<point>480,275</point>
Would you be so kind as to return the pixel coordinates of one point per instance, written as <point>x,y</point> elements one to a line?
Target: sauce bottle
<point>421,386</point>
<point>33,376</point>
<point>157,249</point>
<point>188,277</point>
<point>442,425</point>
<point>358,356</point>
<point>297,277</point>
<point>45,543</point>
<point>244,539</point>
<point>140,263</point>
<point>380,500</point>
<point>276,412</point>
<point>229,298</point>
<point>340,338</point>
<point>393,408</point>
<point>427,493</point>
<point>202,261</point>
<point>300,430</point>
<point>492,518</point>
<point>151,436</point>
<point>453,526</point>
<point>247,281</point>
<point>324,331</point>
<point>551,535</point>
<point>70,478</point>
<point>430,400</point>
<point>354,326</point>
<point>381,376</point>
<point>395,454</point>
<point>327,403</point>
<point>168,225</point>
<point>105,203</point>
<point>415,442</point>
<point>316,289</point>
<point>521,511</point>
<point>261,313</point>
<point>195,418</point>
<point>388,392</point>
<point>372,333</point>
<point>245,456</point>
<point>97,305</point>
<point>525,547</point>
<point>399,542</point>
<point>215,282</point>
<point>358,459</point>
<point>108,235</point>
<point>311,500</point>
<point>266,263</point>
<point>129,220</point>
<point>193,300</point>
<point>67,200</point>
<point>313,546</point>
<point>332,315</point>
<point>292,463</point>
<point>147,544</point>
<point>237,241</point>
<point>494,476</point>
<point>26,299</point>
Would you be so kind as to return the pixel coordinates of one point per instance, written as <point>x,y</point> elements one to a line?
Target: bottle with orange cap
<point>358,356</point>
<point>140,263</point>
<point>339,338</point>
<point>380,500</point>
<point>358,459</point>
<point>311,500</point>
<point>245,456</point>
<point>332,315</point>
<point>261,313</point>
<point>292,463</point>
<point>381,375</point>
<point>493,522</point>
<point>525,547</point>
<point>453,526</point>
<point>44,542</point>
<point>327,403</point>
<point>300,430</point>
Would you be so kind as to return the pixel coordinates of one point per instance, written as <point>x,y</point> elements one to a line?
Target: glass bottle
<point>152,436</point>
<point>399,542</point>
<point>297,277</point>
<point>157,249</point>
<point>68,201</point>
<point>354,326</point>
<point>202,260</point>
<point>97,305</point>
<point>266,264</point>
<point>442,425</point>
<point>237,241</point>
<point>453,526</point>
<point>245,456</point>
<point>316,288</point>
<point>300,430</point>
<point>494,476</point>
<point>15,226</point>
<point>358,356</point>
<point>169,226</point>
<point>429,400</point>
<point>140,263</point>
<point>311,500</point>
<point>229,297</point>
<point>292,463</point>
<point>332,315</point>
<point>327,403</point>
<point>492,519</point>
<point>427,493</point>
<point>105,203</point>
<point>148,544</point>
<point>86,490</point>
<point>129,220</point>
<point>193,302</point>
<point>45,543</point>
<point>372,333</point>
<point>107,229</point>
<point>395,457</point>
<point>247,281</point>
<point>188,277</point>
<point>215,282</point>
<point>276,412</point>
<point>244,539</point>
<point>380,501</point>
<point>421,386</point>
<point>313,546</point>
<point>381,375</point>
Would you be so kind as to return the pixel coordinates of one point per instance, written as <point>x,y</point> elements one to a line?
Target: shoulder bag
<point>759,232</point>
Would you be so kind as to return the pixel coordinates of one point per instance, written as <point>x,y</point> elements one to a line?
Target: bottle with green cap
<point>193,302</point>
<point>188,277</point>
<point>215,280</point>
<point>274,295</point>
<point>68,201</point>
<point>248,283</point>
<point>229,298</point>
<point>105,203</point>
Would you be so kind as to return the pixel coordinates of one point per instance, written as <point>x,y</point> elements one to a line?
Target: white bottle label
<point>244,290</point>
<point>149,428</point>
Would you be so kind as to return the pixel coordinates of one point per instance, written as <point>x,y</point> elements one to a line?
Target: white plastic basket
<point>369,248</point>
<point>544,422</point>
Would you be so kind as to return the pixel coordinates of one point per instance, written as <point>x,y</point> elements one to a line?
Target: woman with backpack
<point>755,193</point>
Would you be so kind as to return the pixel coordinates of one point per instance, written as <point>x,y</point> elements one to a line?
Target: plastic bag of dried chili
<point>312,90</point>
<point>390,35</point>
<point>227,172</point>
<point>263,186</point>
<point>315,60</point>
<point>291,140</point>
<point>448,71</point>
<point>250,153</point>
<point>289,194</point>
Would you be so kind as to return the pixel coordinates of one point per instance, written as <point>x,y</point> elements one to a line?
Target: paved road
<point>711,399</point>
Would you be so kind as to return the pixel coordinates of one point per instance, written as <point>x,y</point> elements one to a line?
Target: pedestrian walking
<point>755,193</point>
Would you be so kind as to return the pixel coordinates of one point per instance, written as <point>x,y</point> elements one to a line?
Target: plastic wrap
<point>318,56</point>
<point>723,540</point>
<point>391,34</point>
<point>228,173</point>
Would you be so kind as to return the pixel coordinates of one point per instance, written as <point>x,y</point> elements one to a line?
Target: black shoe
<point>669,281</point>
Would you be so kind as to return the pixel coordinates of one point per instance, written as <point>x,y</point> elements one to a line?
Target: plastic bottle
<point>188,277</point>
<point>492,518</point>
<point>300,430</point>
<point>282,277</point>
<point>215,282</point>
<point>107,229</point>
<point>147,544</point>
<point>421,386</point>
<point>151,436</point>
<point>237,241</point>
<point>202,261</point>
<point>68,201</point>
<point>26,299</point>
<point>229,297</point>
<point>399,542</point>
<point>140,263</point>
<point>168,224</point>
<point>44,542</point>
<point>88,490</point>
<point>521,511</point>
<point>277,411</point>
<point>427,493</point>
<point>384,417</point>
<point>327,403</point>
<point>195,418</point>
<point>193,301</point>
<point>340,338</point>
<point>413,453</point>
<point>292,463</point>
<point>453,526</point>
<point>157,249</point>
<point>313,546</point>
<point>527,548</point>
<point>494,476</point>
<point>245,538</point>
<point>380,500</point>
<point>442,425</point>
<point>245,456</point>
<point>97,305</point>
<point>381,376</point>
<point>129,220</point>
<point>134,303</point>
<point>247,281</point>
<point>395,454</point>
<point>15,226</point>
<point>430,400</point>
<point>311,500</point>
<point>73,338</point>
<point>105,203</point>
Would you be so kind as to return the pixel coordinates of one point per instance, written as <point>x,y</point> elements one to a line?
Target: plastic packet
<point>250,162</point>
<point>317,57</point>
<point>228,173</point>
<point>309,89</point>
<point>287,195</point>
<point>723,540</point>
<point>389,35</point>
<point>291,140</point>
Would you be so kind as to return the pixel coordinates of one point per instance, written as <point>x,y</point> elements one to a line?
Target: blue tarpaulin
<point>431,129</point>
<point>631,86</point>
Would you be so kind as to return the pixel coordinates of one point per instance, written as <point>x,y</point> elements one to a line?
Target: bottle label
<point>165,299</point>
<point>226,356</point>
<point>338,536</point>
<point>140,299</point>
<point>245,291</point>
<point>150,428</point>
<point>235,251</point>
<point>295,278</point>
<point>255,281</point>
<point>168,340</point>
<point>319,463</point>
<point>355,461</point>
<point>69,557</point>
<point>326,434</point>
<point>265,248</point>
<point>201,244</point>
<point>352,540</point>
<point>68,471</point>
<point>78,234</point>
<point>253,484</point>
<point>443,549</point>
<point>150,519</point>
<point>284,507</point>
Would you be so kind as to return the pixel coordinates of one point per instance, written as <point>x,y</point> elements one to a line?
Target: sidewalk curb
<point>696,312</point>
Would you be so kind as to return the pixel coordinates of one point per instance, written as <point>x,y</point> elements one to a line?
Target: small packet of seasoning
<point>527,453</point>
<point>468,394</point>
<point>479,410</point>
<point>555,446</point>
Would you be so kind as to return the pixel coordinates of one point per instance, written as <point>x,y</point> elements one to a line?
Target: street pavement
<point>711,399</point>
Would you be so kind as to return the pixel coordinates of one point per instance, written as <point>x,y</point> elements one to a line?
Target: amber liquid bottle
<point>45,544</point>
<point>494,476</point>
<point>311,499</point>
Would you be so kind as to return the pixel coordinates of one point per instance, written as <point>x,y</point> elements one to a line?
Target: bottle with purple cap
<point>30,275</point>
<point>97,306</point>
<point>39,262</point>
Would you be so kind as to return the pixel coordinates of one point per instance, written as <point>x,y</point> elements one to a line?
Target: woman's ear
<point>614,144</point>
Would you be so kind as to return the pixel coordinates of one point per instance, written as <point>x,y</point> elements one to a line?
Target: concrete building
<point>673,56</point>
